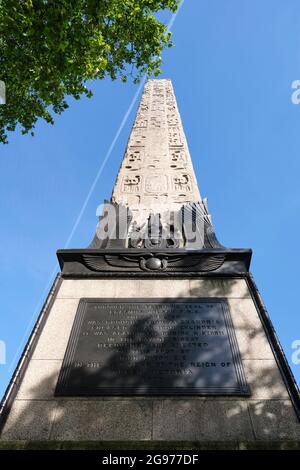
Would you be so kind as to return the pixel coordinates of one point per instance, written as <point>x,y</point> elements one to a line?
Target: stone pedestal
<point>266,417</point>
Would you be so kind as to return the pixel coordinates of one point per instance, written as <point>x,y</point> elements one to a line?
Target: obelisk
<point>155,333</point>
<point>156,173</point>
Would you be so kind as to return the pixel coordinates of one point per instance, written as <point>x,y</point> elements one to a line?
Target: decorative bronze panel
<point>152,347</point>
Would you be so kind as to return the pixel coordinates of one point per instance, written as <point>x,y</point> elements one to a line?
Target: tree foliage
<point>50,49</point>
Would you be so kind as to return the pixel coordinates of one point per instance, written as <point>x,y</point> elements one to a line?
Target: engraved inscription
<point>156,162</point>
<point>157,121</point>
<point>133,158</point>
<point>131,184</point>
<point>141,119</point>
<point>182,183</point>
<point>149,346</point>
<point>137,138</point>
<point>178,158</point>
<point>174,136</point>
<point>172,119</point>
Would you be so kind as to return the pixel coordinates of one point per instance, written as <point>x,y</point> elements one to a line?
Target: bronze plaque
<point>152,347</point>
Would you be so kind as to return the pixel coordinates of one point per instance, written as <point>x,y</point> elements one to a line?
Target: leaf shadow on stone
<point>157,418</point>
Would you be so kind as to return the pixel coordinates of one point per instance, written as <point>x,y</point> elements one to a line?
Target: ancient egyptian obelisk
<point>155,332</point>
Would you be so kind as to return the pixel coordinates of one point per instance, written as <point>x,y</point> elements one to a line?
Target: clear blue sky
<point>232,69</point>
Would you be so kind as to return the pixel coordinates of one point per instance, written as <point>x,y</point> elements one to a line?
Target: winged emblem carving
<point>154,262</point>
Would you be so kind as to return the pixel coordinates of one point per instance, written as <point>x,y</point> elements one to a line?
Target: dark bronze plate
<point>152,347</point>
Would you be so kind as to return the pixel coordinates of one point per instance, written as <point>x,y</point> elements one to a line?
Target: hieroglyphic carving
<point>133,158</point>
<point>141,121</point>
<point>170,102</point>
<point>178,158</point>
<point>156,166</point>
<point>171,108</point>
<point>180,198</point>
<point>137,138</point>
<point>153,163</point>
<point>157,106</point>
<point>144,107</point>
<point>147,91</point>
<point>158,87</point>
<point>157,121</point>
<point>131,184</point>
<point>158,94</point>
<point>172,119</point>
<point>182,183</point>
<point>175,136</point>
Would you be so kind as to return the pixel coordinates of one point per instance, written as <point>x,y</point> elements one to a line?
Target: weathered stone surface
<point>264,379</point>
<point>116,418</point>
<point>156,172</point>
<point>201,420</point>
<point>29,420</point>
<point>167,288</point>
<point>236,288</point>
<point>229,288</point>
<point>40,380</point>
<point>104,420</point>
<point>116,288</point>
<point>250,334</point>
<point>274,419</point>
<point>54,337</point>
<point>77,288</point>
<point>127,288</point>
<point>206,288</point>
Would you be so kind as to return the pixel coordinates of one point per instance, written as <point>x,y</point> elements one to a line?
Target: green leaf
<point>49,50</point>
